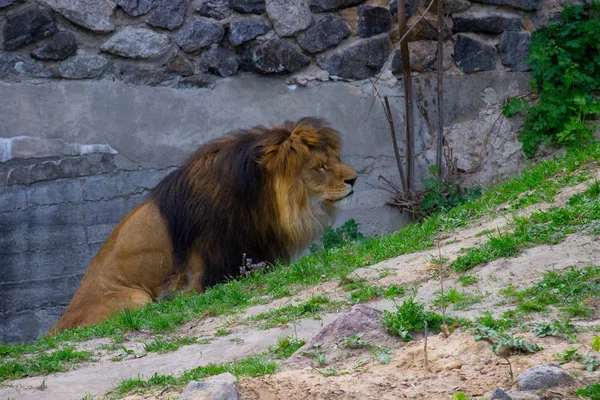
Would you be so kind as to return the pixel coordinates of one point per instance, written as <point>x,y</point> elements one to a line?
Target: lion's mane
<point>243,194</point>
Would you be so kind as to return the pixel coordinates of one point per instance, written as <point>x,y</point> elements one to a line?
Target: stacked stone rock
<point>191,43</point>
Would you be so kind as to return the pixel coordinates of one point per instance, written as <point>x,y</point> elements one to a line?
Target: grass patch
<point>545,227</point>
<point>223,332</point>
<point>286,346</point>
<point>543,180</point>
<point>251,367</point>
<point>284,315</point>
<point>460,300</point>
<point>504,344</point>
<point>467,280</point>
<point>166,345</point>
<point>568,291</point>
<point>365,293</point>
<point>43,363</point>
<point>488,320</point>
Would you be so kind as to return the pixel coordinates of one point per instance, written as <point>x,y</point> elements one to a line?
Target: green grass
<point>540,182</point>
<point>43,363</point>
<point>460,300</point>
<point>285,314</point>
<point>467,280</point>
<point>165,345</point>
<point>286,346</point>
<point>250,367</point>
<point>566,291</point>
<point>545,227</point>
<point>223,332</point>
<point>488,320</point>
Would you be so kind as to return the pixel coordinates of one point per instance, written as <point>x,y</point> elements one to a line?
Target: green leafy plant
<point>338,237</point>
<point>354,342</point>
<point>565,67</point>
<point>572,355</point>
<point>555,328</point>
<point>316,353</point>
<point>442,195</point>
<point>459,396</point>
<point>590,392</point>
<point>503,343</point>
<point>409,318</point>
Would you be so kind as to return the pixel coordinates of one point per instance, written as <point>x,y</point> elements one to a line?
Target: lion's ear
<point>307,135</point>
<point>286,157</point>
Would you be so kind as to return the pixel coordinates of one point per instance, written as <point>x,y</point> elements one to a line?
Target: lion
<point>264,192</point>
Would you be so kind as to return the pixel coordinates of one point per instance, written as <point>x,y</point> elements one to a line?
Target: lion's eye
<point>322,168</point>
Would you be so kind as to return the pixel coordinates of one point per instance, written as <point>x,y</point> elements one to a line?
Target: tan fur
<point>135,265</point>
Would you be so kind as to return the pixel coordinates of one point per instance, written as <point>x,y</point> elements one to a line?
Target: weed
<point>316,353</point>
<point>223,332</point>
<point>354,342</point>
<point>286,346</point>
<point>591,392</point>
<point>365,293</point>
<point>460,300</point>
<point>556,328</point>
<point>329,371</point>
<point>488,320</point>
<point>335,238</point>
<point>382,355</point>
<point>409,318</point>
<point>504,344</point>
<point>572,355</point>
<point>459,396</point>
<point>467,280</point>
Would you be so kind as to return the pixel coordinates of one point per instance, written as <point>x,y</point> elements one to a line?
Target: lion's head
<point>264,192</point>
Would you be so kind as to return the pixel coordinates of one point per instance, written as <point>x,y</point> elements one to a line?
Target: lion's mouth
<point>344,197</point>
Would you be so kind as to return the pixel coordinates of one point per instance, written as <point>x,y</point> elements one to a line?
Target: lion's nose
<point>351,181</point>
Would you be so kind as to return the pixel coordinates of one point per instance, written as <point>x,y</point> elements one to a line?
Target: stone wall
<point>99,100</point>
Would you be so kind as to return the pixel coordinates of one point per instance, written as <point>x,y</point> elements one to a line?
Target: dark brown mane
<point>221,201</point>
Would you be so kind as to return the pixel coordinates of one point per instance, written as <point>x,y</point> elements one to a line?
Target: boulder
<point>168,14</point>
<point>472,55</point>
<point>326,33</point>
<point>60,46</point>
<point>373,21</point>
<point>514,50</point>
<point>29,25</point>
<point>198,33</point>
<point>245,29</point>
<point>289,16</point>
<point>95,15</point>
<point>137,43</point>
<point>544,376</point>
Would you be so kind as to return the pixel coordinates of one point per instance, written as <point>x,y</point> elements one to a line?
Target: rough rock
<point>200,81</point>
<point>248,6</point>
<point>218,387</point>
<point>95,15</point>
<point>27,26</point>
<point>451,6</point>
<point>140,75</point>
<point>131,42</point>
<point>275,56</point>
<point>527,5</point>
<point>410,8</point>
<point>330,5</point>
<point>82,67</point>
<point>360,319</point>
<point>359,60</point>
<point>198,33</point>
<point>425,28</point>
<point>289,16</point>
<point>217,9</point>
<point>514,50</point>
<point>544,377</point>
<point>168,14</point>
<point>61,45</point>
<point>521,395</point>
<point>486,21</point>
<point>473,55</point>
<point>245,29</point>
<point>373,21</point>
<point>423,56</point>
<point>327,32</point>
<point>13,66</point>
<point>219,61</point>
<point>499,394</point>
<point>8,3</point>
<point>181,65</point>
<point>135,8</point>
